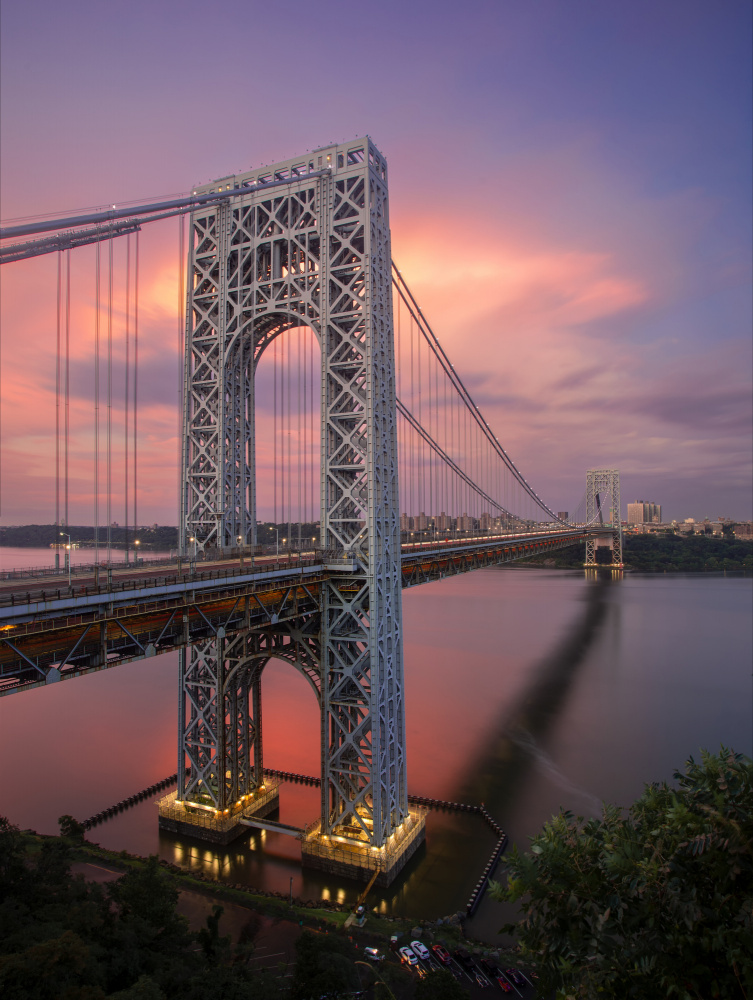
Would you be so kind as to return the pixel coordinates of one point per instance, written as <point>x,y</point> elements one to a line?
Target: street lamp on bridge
<point>65,534</point>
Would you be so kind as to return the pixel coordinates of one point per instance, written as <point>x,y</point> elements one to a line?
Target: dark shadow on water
<point>517,746</point>
<point>516,751</point>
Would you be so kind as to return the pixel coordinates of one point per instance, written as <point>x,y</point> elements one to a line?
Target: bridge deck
<point>50,632</point>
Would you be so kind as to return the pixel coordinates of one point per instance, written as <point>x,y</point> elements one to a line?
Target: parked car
<point>463,957</point>
<point>481,981</point>
<point>515,976</point>
<point>373,954</point>
<point>407,956</point>
<point>441,953</point>
<point>489,967</point>
<point>503,984</point>
<point>421,950</point>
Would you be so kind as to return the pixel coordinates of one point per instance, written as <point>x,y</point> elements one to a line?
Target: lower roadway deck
<point>49,632</point>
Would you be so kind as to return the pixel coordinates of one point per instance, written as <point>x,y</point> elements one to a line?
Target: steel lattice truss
<point>314,252</point>
<point>225,673</point>
<point>601,483</point>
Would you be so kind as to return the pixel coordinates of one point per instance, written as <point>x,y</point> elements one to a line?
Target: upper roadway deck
<point>49,632</point>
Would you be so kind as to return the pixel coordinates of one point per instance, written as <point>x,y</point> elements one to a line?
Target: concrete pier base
<point>190,819</point>
<point>355,860</point>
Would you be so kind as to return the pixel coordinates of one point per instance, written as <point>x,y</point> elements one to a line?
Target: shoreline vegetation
<point>66,935</point>
<point>696,553</point>
<point>663,554</point>
<point>269,903</point>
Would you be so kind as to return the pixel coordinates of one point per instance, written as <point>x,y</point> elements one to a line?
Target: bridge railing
<point>15,597</point>
<point>83,569</point>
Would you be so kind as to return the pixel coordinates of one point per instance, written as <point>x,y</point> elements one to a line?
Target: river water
<point>526,689</point>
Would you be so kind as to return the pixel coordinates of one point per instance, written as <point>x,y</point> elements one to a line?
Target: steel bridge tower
<point>302,242</point>
<point>600,484</point>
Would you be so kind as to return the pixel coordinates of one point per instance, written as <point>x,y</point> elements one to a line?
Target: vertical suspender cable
<point>399,393</point>
<point>282,432</point>
<point>304,514</point>
<point>429,455</point>
<point>241,389</point>
<point>300,446</point>
<point>127,383</point>
<point>448,448</point>
<point>57,413</point>
<point>1,418</point>
<point>413,410</point>
<point>314,407</point>
<point>135,390</point>
<point>274,433</point>
<point>96,400</point>
<point>67,409</point>
<point>289,375</point>
<point>109,402</point>
<point>181,365</point>
<point>420,456</point>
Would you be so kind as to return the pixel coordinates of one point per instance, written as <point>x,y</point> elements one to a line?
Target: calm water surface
<point>526,689</point>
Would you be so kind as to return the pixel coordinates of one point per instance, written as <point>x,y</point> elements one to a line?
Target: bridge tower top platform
<point>336,158</point>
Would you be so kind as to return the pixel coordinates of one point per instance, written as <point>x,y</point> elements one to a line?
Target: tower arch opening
<point>287,439</point>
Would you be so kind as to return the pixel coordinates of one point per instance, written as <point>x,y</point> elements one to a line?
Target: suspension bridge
<point>354,423</point>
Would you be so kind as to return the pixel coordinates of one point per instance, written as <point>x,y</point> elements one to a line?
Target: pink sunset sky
<point>569,195</point>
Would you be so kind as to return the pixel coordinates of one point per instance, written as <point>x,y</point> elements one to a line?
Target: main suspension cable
<point>415,310</point>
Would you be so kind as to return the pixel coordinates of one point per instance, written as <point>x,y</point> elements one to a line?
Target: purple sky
<point>570,191</point>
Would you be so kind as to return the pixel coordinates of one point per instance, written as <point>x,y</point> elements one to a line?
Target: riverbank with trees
<point>125,938</point>
<point>664,554</point>
<point>650,902</point>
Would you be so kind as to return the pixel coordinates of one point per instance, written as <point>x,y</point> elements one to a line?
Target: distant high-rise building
<point>486,521</point>
<point>644,512</point>
<point>421,523</point>
<point>635,512</point>
<point>443,522</point>
<point>562,515</point>
<point>404,522</point>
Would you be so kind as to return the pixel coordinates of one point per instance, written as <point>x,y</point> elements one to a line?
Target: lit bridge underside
<point>49,635</point>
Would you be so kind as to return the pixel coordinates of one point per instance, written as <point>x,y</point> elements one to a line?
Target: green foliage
<point>62,938</point>
<point>440,985</point>
<point>654,903</point>
<point>324,965</point>
<point>664,553</point>
<point>695,554</point>
<point>144,988</point>
<point>70,828</point>
<point>214,946</point>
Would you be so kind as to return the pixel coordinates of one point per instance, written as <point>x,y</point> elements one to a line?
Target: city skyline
<point>570,186</point>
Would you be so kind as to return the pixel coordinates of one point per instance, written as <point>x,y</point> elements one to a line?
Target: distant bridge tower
<point>603,510</point>
<point>303,242</point>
